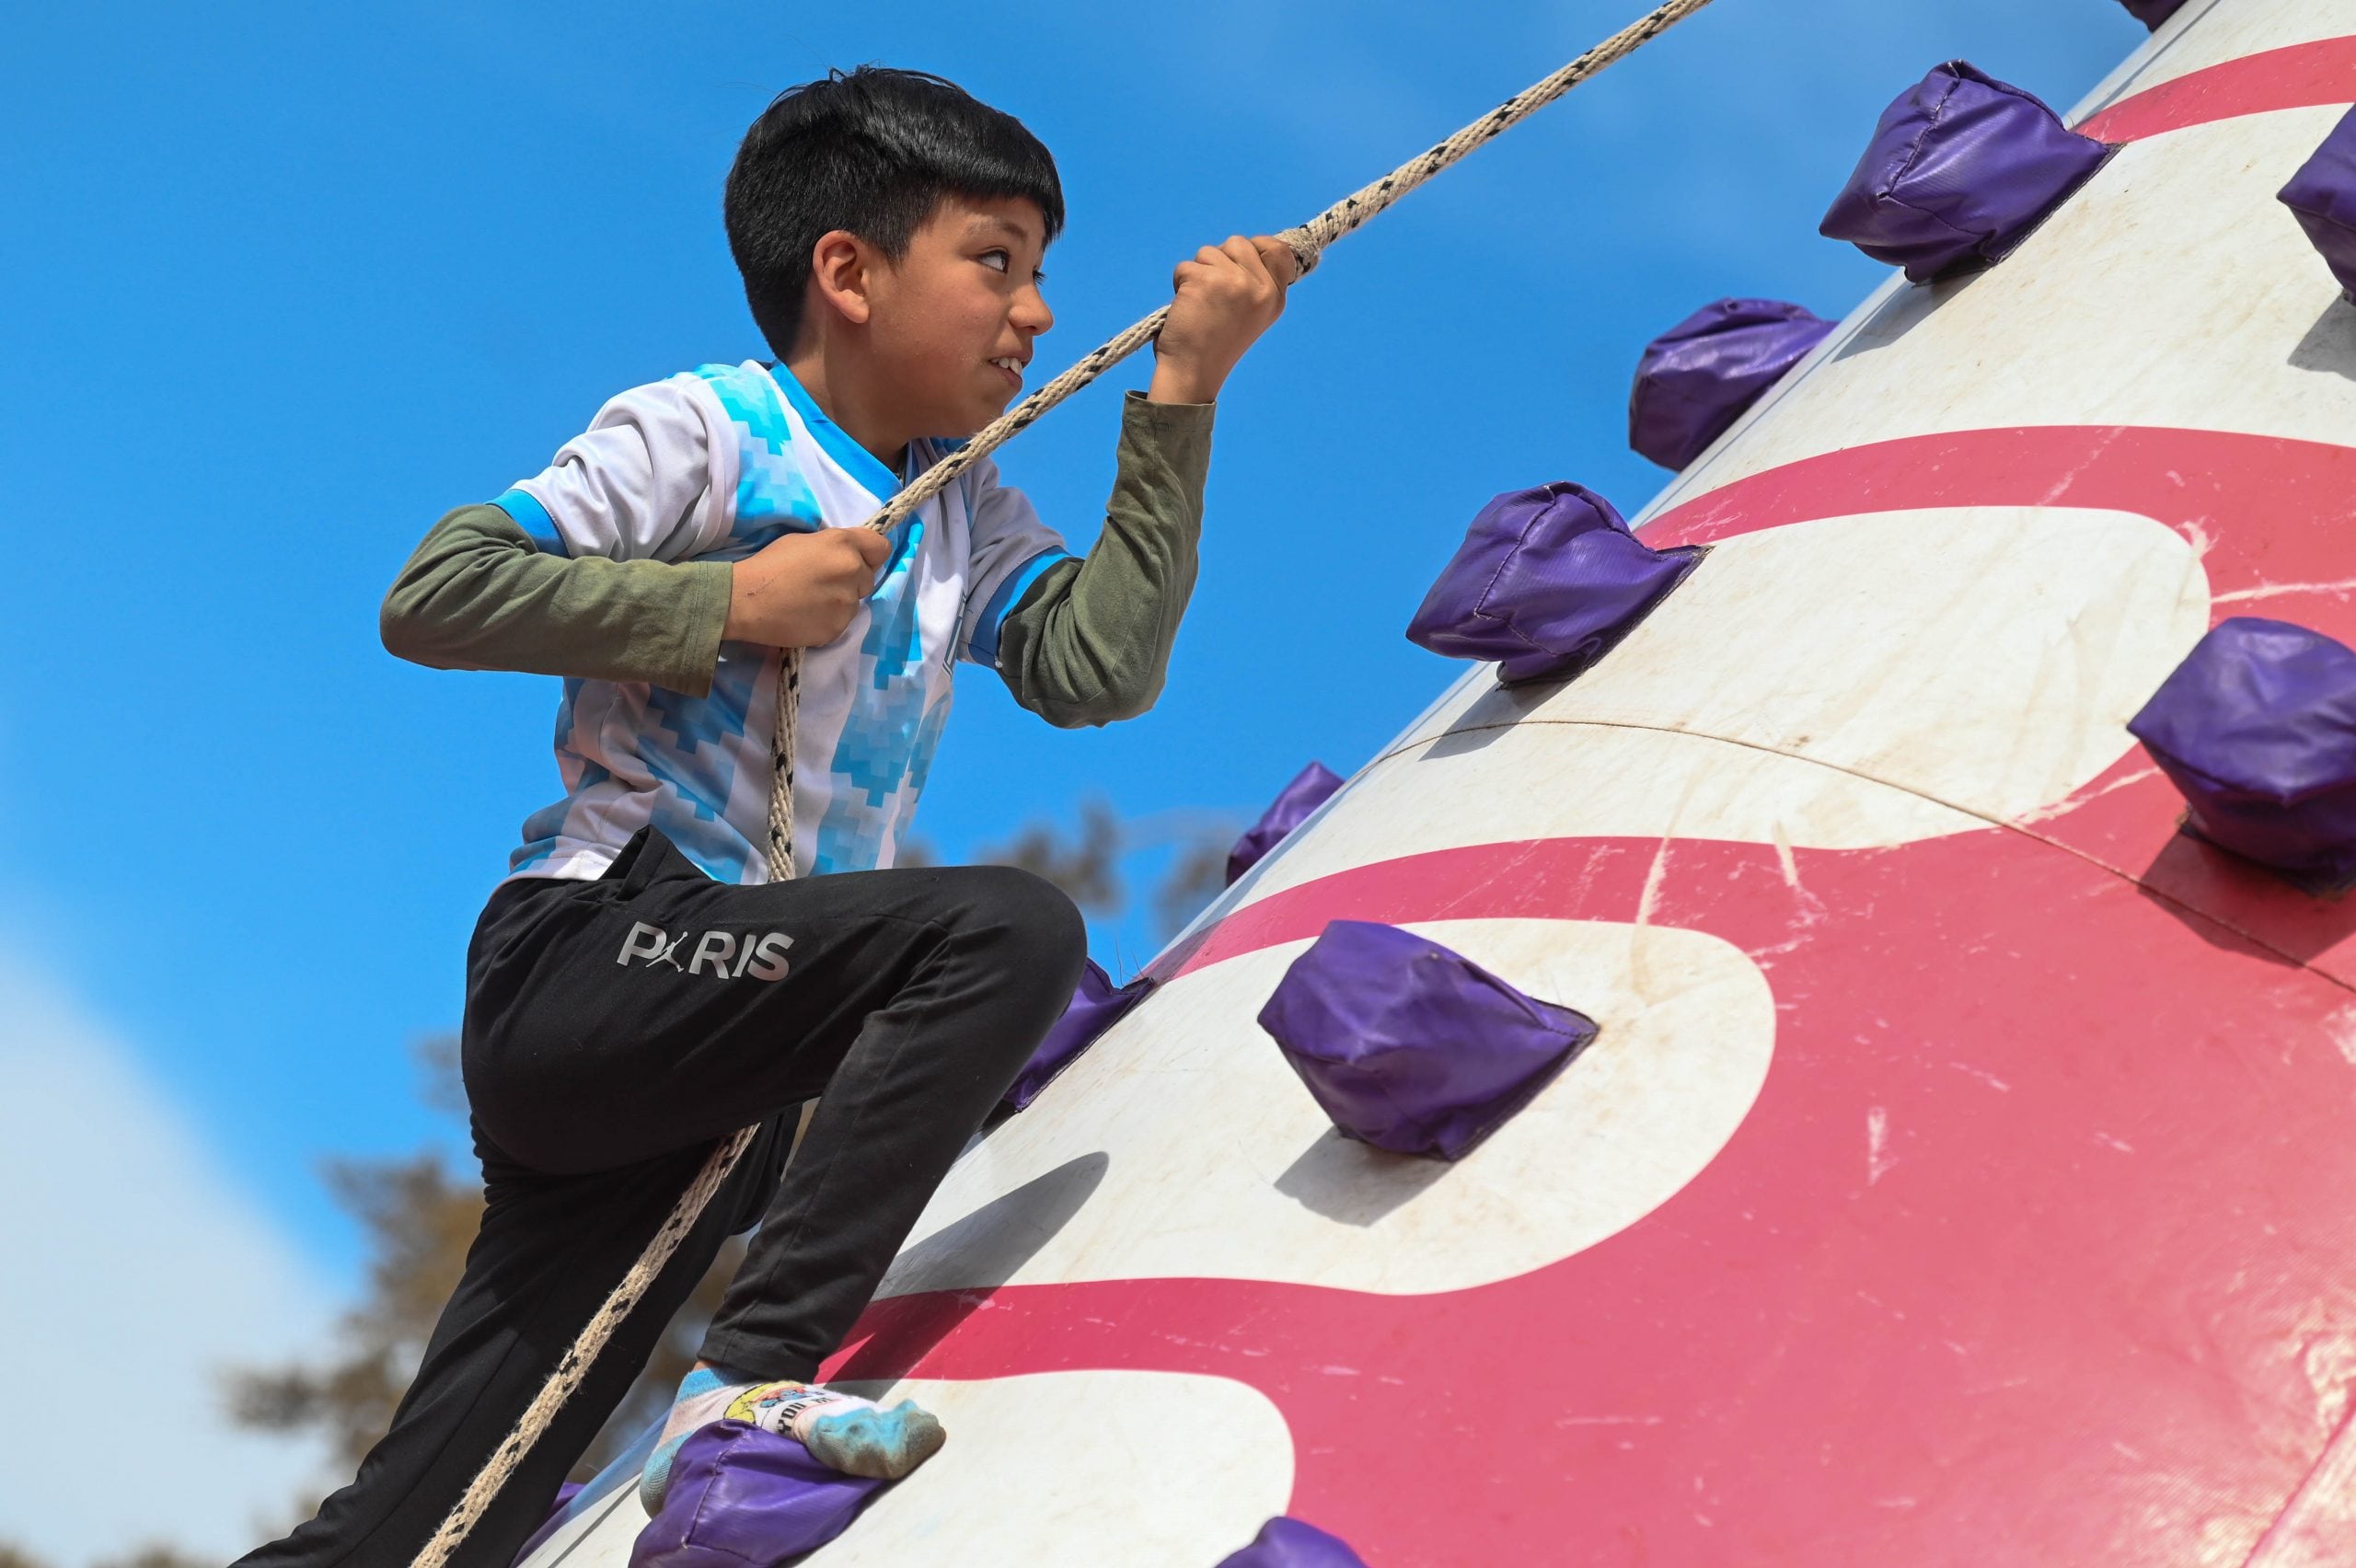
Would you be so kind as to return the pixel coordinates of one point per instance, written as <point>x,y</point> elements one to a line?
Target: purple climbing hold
<point>1095,1007</point>
<point>2152,12</point>
<point>2322,196</point>
<point>2258,727</point>
<point>1411,1047</point>
<point>1959,170</point>
<point>742,1496</point>
<point>1310,789</point>
<point>1286,1543</point>
<point>1704,373</point>
<point>1545,582</point>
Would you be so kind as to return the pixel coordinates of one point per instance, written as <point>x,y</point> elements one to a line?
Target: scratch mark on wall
<point>1652,876</point>
<point>2339,588</point>
<point>1879,1160</point>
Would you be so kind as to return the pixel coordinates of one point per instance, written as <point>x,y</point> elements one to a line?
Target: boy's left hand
<point>1228,295</point>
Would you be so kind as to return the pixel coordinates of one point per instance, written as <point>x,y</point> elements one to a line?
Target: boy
<point>636,988</point>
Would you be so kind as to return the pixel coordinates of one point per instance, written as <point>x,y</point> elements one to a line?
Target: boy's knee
<point>1034,921</point>
<point>1028,929</point>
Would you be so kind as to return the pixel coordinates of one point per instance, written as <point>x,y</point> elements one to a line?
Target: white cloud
<point>132,1270</point>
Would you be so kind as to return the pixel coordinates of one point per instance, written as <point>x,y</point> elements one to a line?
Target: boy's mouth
<point>1011,367</point>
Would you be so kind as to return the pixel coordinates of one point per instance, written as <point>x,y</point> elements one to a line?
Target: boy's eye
<point>996,260</point>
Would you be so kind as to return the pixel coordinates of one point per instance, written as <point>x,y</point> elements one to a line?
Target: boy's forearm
<point>478,595</point>
<point>1090,641</point>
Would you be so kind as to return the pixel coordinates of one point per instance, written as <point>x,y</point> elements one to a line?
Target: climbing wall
<point>1965,1173</point>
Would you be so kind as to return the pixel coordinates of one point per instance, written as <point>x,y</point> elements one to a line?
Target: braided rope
<point>789,731</point>
<point>1309,242</point>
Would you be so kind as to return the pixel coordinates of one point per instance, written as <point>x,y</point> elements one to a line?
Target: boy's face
<point>952,321</point>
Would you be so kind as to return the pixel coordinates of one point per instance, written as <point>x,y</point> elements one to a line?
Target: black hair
<point>871,152</point>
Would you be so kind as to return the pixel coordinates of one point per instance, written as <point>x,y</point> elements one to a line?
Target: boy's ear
<point>841,269</point>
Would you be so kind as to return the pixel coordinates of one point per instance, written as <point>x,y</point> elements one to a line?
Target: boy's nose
<point>1031,312</point>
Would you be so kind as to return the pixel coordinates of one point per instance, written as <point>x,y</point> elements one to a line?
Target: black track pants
<point>615,1030</point>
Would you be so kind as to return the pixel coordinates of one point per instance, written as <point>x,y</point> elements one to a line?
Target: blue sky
<point>288,282</point>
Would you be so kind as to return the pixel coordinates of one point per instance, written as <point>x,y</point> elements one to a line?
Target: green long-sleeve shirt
<point>1088,644</point>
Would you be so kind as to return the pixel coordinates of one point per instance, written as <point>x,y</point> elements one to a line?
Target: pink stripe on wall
<point>2304,76</point>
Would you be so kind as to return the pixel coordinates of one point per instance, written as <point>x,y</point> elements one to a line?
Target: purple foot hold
<point>1286,1543</point>
<point>741,1496</point>
<point>2152,12</point>
<point>2258,727</point>
<point>1704,373</point>
<point>1310,789</point>
<point>1095,1007</point>
<point>1959,170</point>
<point>1545,582</point>
<point>1411,1047</point>
<point>2322,196</point>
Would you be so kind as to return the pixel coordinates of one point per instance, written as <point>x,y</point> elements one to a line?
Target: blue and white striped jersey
<point>710,465</point>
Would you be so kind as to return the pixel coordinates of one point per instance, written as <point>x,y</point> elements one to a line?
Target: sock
<point>842,1431</point>
<point>702,1399</point>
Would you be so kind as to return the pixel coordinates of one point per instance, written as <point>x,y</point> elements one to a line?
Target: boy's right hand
<point>801,590</point>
